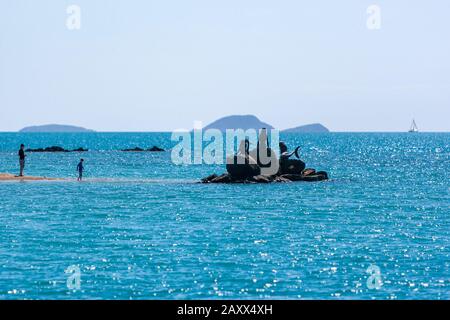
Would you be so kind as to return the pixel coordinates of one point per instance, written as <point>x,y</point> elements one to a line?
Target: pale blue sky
<point>160,65</point>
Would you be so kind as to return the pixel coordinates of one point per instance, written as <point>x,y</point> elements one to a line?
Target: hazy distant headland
<point>246,122</point>
<point>234,122</point>
<point>310,128</point>
<point>55,128</point>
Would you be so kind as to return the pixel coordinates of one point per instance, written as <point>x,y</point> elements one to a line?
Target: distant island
<point>246,122</point>
<point>55,128</point>
<point>233,122</point>
<point>309,128</point>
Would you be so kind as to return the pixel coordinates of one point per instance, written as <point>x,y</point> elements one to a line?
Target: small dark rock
<point>156,149</point>
<point>48,149</point>
<point>292,177</point>
<point>261,179</point>
<point>137,149</point>
<point>324,174</point>
<point>281,179</point>
<point>209,178</point>
<point>34,150</point>
<point>308,172</point>
<point>55,149</point>
<point>315,177</point>
<point>224,178</point>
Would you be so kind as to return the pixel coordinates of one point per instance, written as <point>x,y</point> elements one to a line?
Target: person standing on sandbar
<point>80,169</point>
<point>22,159</point>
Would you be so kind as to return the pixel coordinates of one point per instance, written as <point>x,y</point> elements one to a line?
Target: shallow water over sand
<point>139,227</point>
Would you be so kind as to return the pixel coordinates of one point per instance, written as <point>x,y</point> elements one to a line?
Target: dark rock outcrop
<point>137,149</point>
<point>55,149</point>
<point>309,175</point>
<point>156,149</point>
<point>318,176</point>
<point>224,178</point>
<point>209,178</point>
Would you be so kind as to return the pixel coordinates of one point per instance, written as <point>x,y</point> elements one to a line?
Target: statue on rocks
<point>261,165</point>
<point>266,158</point>
<point>287,165</point>
<point>242,165</point>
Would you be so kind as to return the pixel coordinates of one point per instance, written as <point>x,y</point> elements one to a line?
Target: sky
<point>161,65</point>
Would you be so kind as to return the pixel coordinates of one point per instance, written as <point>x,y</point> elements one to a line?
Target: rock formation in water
<point>137,149</point>
<point>155,149</point>
<point>55,149</point>
<point>309,175</point>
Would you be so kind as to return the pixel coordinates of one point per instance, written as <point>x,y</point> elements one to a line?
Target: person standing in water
<point>80,169</point>
<point>22,159</point>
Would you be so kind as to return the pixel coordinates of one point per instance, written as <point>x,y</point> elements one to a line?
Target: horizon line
<point>190,130</point>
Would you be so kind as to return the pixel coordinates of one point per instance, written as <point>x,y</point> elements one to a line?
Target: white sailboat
<point>414,127</point>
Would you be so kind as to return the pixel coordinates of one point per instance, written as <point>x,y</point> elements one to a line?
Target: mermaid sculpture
<point>267,159</point>
<point>287,165</point>
<point>242,165</point>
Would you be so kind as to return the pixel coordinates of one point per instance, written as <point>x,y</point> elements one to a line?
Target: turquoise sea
<point>140,227</point>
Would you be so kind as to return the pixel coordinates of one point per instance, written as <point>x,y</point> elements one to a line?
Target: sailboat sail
<point>414,127</point>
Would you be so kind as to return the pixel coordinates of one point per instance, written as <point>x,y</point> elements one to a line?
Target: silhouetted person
<point>80,169</point>
<point>22,159</point>
<point>287,165</point>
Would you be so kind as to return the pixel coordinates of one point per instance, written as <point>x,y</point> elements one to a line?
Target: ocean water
<point>140,227</point>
